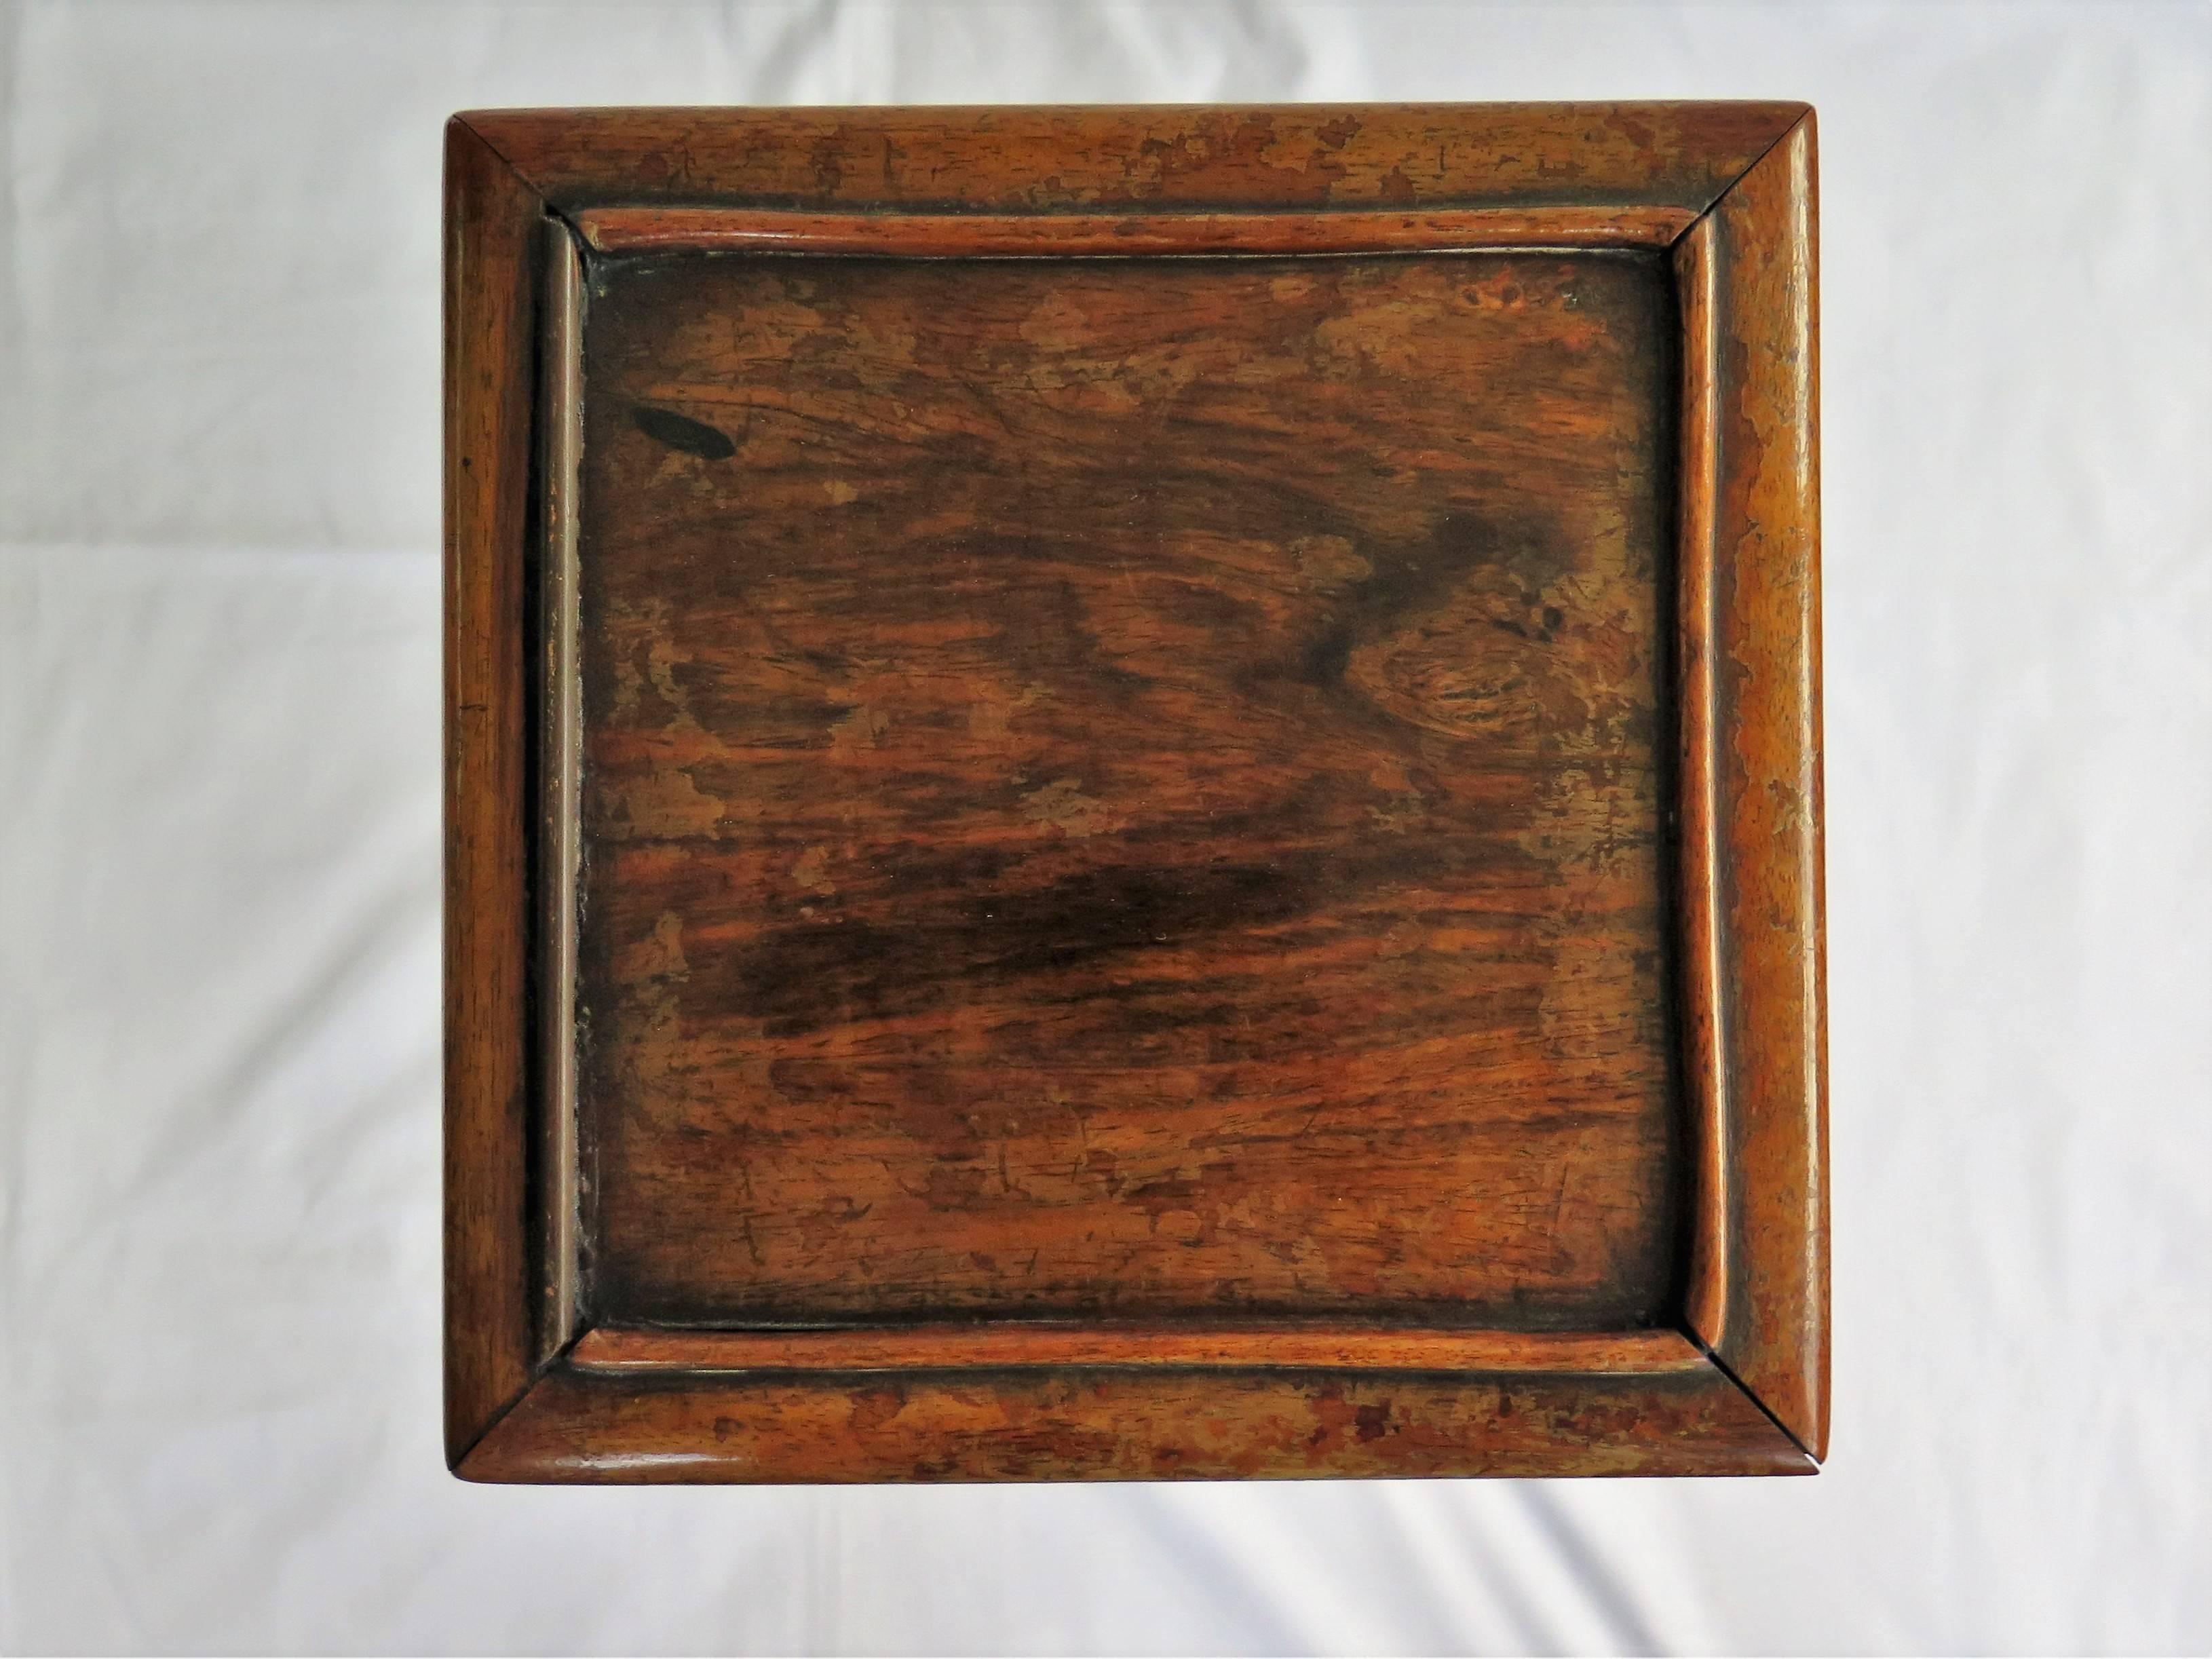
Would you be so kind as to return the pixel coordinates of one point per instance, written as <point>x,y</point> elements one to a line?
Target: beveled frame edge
<point>1026,159</point>
<point>1030,1423</point>
<point>1757,1304</point>
<point>1755,875</point>
<point>491,256</point>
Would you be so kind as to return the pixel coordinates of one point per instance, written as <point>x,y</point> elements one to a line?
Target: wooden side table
<point>1133,793</point>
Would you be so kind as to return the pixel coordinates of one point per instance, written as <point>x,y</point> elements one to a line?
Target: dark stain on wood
<point>682,432</point>
<point>1129,787</point>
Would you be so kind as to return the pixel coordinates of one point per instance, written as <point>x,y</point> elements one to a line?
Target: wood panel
<point>1128,787</point>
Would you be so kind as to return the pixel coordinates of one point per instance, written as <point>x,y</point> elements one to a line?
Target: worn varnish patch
<point>1128,787</point>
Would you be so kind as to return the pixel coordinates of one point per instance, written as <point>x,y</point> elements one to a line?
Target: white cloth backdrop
<point>219,873</point>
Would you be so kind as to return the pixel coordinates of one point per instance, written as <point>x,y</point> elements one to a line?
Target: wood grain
<point>491,220</point>
<point>1125,787</point>
<point>1767,674</point>
<point>1127,1425</point>
<point>1191,866</point>
<point>1086,157</point>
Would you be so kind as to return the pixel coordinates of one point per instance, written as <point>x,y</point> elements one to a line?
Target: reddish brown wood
<point>1084,158</point>
<point>1132,787</point>
<point>491,220</point>
<point>560,752</point>
<point>1062,235</point>
<point>1125,807</point>
<point>1272,1345</point>
<point>1699,981</point>
<point>1767,783</point>
<point>1094,1424</point>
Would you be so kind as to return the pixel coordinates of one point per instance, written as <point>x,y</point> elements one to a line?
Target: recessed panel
<point>1127,788</point>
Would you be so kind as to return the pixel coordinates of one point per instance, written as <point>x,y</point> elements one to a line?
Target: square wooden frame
<point>534,1394</point>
